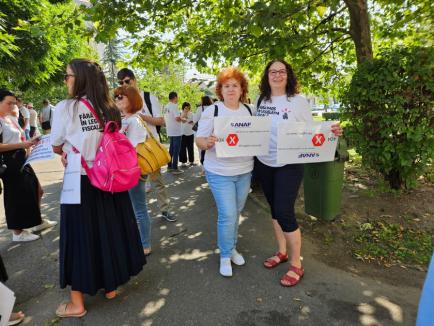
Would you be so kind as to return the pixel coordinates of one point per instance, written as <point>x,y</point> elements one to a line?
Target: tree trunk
<point>360,29</point>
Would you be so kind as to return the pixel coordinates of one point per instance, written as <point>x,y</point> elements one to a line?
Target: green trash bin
<point>323,185</point>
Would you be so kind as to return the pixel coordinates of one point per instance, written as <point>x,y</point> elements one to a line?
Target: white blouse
<point>11,131</point>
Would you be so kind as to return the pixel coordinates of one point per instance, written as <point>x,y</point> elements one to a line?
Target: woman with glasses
<point>99,241</point>
<point>129,102</point>
<point>228,178</point>
<point>280,99</point>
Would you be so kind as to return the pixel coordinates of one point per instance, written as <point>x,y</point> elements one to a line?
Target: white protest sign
<point>242,136</point>
<point>71,190</point>
<point>7,301</point>
<point>301,142</point>
<point>41,151</point>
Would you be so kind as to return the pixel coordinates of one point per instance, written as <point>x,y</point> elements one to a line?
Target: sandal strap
<point>296,270</point>
<point>282,257</point>
<point>289,279</point>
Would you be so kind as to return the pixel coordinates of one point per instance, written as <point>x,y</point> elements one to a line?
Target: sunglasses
<point>125,81</point>
<point>119,97</point>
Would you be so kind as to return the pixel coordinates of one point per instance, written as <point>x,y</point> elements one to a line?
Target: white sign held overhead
<point>301,142</point>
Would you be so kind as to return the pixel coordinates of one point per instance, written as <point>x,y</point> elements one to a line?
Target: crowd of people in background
<point>105,239</point>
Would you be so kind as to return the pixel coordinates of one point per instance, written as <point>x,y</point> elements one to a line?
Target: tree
<point>323,39</point>
<point>37,39</point>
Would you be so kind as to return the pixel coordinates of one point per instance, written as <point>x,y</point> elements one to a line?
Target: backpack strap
<point>91,109</point>
<point>216,110</point>
<point>248,108</point>
<point>147,98</point>
<point>260,99</point>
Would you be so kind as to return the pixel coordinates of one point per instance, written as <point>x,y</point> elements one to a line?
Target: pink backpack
<point>115,167</point>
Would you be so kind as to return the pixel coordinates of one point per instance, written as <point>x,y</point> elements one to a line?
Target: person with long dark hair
<point>99,240</point>
<point>22,191</point>
<point>281,100</point>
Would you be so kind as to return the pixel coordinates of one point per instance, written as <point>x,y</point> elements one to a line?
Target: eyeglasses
<point>119,97</point>
<point>275,73</point>
<point>66,76</point>
<point>125,81</point>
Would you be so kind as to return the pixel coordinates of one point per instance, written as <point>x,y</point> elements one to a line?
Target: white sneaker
<point>24,236</point>
<point>236,258</point>
<point>46,223</point>
<point>225,267</point>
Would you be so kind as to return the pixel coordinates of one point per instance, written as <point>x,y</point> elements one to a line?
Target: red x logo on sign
<point>232,139</point>
<point>318,139</point>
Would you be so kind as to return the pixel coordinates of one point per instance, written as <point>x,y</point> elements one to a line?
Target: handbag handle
<point>144,124</point>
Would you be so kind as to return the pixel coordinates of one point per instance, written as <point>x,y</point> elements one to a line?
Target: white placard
<point>242,136</point>
<point>72,180</point>
<point>7,301</point>
<point>301,142</point>
<point>42,151</point>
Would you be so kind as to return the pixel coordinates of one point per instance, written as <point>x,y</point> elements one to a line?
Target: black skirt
<point>3,274</point>
<point>21,192</point>
<point>100,244</point>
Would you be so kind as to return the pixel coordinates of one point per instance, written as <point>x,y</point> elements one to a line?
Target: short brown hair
<point>236,74</point>
<point>133,95</point>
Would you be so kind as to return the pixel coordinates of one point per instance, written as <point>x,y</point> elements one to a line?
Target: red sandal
<point>271,263</point>
<point>287,280</point>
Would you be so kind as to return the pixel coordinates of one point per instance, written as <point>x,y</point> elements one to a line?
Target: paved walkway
<point>180,285</point>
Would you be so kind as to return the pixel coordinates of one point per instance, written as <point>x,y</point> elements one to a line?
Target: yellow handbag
<point>151,154</point>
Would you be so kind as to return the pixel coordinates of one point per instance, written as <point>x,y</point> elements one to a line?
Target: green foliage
<point>391,244</point>
<point>37,39</point>
<point>312,35</point>
<point>161,83</point>
<point>330,116</point>
<point>389,104</point>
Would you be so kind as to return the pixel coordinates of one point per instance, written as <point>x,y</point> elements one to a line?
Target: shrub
<point>331,116</point>
<point>389,104</point>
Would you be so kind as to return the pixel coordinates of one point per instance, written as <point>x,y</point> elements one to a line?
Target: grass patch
<point>392,244</point>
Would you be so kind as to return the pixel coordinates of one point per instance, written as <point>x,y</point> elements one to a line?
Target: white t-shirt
<point>187,125</point>
<point>26,115</point>
<point>281,108</point>
<point>156,112</point>
<point>173,127</point>
<point>134,130</point>
<point>11,131</point>
<point>227,166</point>
<point>47,113</point>
<point>74,125</point>
<point>33,118</point>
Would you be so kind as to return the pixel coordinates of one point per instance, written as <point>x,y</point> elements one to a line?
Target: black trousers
<point>280,186</point>
<point>186,147</point>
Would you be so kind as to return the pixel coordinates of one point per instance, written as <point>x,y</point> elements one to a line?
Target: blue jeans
<point>138,199</point>
<point>230,194</point>
<point>27,133</point>
<point>175,147</point>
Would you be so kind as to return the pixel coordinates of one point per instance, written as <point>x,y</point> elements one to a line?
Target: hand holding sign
<point>242,136</point>
<point>300,142</point>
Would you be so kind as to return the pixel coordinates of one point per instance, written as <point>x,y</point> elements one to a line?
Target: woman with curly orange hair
<point>228,178</point>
